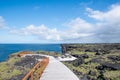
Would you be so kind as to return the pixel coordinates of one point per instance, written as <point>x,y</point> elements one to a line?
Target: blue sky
<point>59,21</point>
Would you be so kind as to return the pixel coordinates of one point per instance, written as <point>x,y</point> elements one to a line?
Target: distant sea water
<point>7,49</point>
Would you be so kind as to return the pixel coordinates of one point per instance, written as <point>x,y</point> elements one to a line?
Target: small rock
<point>92,73</point>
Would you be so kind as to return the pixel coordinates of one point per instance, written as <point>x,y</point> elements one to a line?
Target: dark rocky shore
<point>94,61</point>
<point>15,67</point>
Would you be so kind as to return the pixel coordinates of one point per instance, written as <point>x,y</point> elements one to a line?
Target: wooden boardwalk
<point>57,71</point>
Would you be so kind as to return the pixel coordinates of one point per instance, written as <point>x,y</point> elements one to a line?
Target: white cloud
<point>106,28</point>
<point>108,23</point>
<point>95,14</point>
<point>78,28</point>
<point>80,25</point>
<point>110,18</point>
<point>2,22</point>
<point>41,31</point>
<point>113,14</point>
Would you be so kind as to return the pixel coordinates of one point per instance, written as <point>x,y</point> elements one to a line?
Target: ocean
<point>7,49</point>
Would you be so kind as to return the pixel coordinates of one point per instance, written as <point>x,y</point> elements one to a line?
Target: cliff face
<point>64,48</point>
<point>68,47</point>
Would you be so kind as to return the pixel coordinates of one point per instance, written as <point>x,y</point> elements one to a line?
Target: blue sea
<point>7,49</point>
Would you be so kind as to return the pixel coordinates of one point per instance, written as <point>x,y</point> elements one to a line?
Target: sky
<point>59,21</point>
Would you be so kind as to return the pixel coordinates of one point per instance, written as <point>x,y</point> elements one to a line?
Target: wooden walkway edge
<point>57,71</point>
<point>36,72</point>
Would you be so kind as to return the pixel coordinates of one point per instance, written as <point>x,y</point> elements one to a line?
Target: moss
<point>13,60</point>
<point>113,75</point>
<point>90,65</point>
<point>7,71</point>
<point>16,72</point>
<point>76,52</point>
<point>3,67</point>
<point>115,54</point>
<point>82,69</point>
<point>87,60</point>
<point>85,68</point>
<point>90,54</point>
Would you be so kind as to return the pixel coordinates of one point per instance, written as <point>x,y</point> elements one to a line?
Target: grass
<point>115,54</point>
<point>16,72</point>
<point>113,75</point>
<point>13,60</point>
<point>88,60</point>
<point>81,69</point>
<point>89,67</point>
<point>77,52</point>
<point>81,52</point>
<point>84,68</point>
<point>8,70</point>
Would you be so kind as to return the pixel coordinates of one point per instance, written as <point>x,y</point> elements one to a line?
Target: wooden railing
<point>24,53</point>
<point>36,72</point>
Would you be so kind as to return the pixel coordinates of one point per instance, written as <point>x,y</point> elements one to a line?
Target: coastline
<point>7,49</point>
<point>94,61</point>
<point>16,67</point>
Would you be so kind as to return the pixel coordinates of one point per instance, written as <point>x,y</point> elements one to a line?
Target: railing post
<point>32,78</point>
<point>37,70</point>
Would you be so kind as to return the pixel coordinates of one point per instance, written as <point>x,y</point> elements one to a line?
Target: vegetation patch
<point>94,61</point>
<point>114,75</point>
<point>15,68</point>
